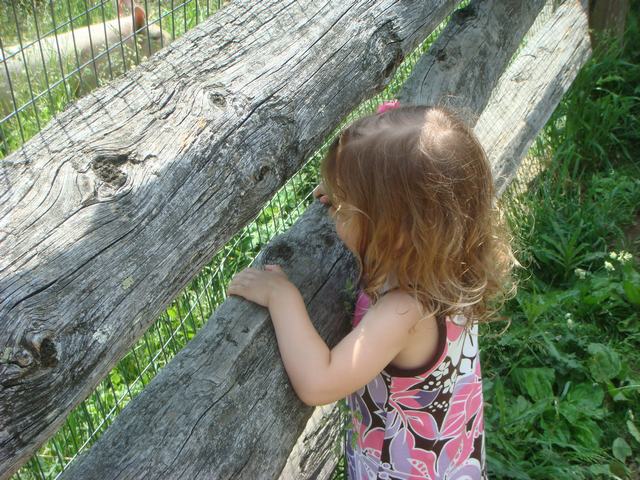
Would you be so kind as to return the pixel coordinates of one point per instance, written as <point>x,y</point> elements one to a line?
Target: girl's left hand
<point>259,286</point>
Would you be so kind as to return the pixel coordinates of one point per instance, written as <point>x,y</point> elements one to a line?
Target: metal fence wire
<point>54,52</point>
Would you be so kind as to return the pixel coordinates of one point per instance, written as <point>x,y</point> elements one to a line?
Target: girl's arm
<point>320,375</point>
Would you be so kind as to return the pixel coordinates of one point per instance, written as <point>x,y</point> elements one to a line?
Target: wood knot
<point>262,171</point>
<point>48,353</point>
<point>329,240</point>
<point>279,252</point>
<point>217,100</point>
<point>389,69</point>
<point>106,168</point>
<point>43,348</point>
<point>22,358</point>
<point>465,14</point>
<point>16,356</point>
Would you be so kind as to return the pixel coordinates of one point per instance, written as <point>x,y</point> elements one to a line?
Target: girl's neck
<point>390,283</point>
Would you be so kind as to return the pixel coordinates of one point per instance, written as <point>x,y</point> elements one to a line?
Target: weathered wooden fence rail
<point>108,212</point>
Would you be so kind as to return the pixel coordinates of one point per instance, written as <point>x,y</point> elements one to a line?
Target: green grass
<point>562,384</point>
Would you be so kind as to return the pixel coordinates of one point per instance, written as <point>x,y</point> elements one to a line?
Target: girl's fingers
<point>236,288</point>
<point>246,273</point>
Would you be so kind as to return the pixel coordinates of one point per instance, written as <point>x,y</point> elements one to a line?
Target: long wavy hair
<point>418,185</point>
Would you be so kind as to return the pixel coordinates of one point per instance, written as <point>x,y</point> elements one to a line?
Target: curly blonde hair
<point>418,185</point>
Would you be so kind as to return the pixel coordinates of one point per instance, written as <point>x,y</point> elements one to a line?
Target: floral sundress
<point>422,423</point>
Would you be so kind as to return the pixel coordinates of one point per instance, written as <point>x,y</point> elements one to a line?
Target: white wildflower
<point>624,257</point>
<point>580,273</point>
<point>570,322</point>
<point>608,266</point>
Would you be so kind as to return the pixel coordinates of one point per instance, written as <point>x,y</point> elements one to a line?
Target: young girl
<point>411,193</point>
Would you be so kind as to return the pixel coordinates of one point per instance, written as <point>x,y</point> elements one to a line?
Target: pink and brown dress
<point>422,423</point>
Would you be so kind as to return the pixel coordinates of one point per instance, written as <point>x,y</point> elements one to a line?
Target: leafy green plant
<point>563,382</point>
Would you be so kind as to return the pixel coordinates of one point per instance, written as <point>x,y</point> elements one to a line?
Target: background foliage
<point>562,383</point>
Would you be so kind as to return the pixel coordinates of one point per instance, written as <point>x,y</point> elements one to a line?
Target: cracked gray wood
<point>529,91</point>
<point>319,447</point>
<point>108,212</point>
<point>463,65</point>
<point>224,407</point>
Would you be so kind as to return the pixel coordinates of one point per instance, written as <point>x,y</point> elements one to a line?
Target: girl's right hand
<point>320,194</point>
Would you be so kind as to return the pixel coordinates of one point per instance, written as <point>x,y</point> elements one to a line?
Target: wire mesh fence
<point>54,52</point>
<point>67,48</point>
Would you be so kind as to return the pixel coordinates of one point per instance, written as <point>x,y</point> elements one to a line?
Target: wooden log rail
<point>109,211</point>
<point>223,407</point>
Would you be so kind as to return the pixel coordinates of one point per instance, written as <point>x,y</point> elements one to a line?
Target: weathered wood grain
<point>528,93</point>
<point>320,446</point>
<point>463,65</point>
<point>538,76</point>
<point>223,407</point>
<point>109,211</point>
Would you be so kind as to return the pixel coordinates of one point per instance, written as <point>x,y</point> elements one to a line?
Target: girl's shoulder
<point>389,301</point>
<point>394,301</point>
<point>398,302</point>
<point>398,298</point>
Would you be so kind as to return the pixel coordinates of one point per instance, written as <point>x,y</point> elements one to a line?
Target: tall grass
<point>562,384</point>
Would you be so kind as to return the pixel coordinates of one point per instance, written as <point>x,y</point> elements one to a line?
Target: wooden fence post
<point>608,16</point>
